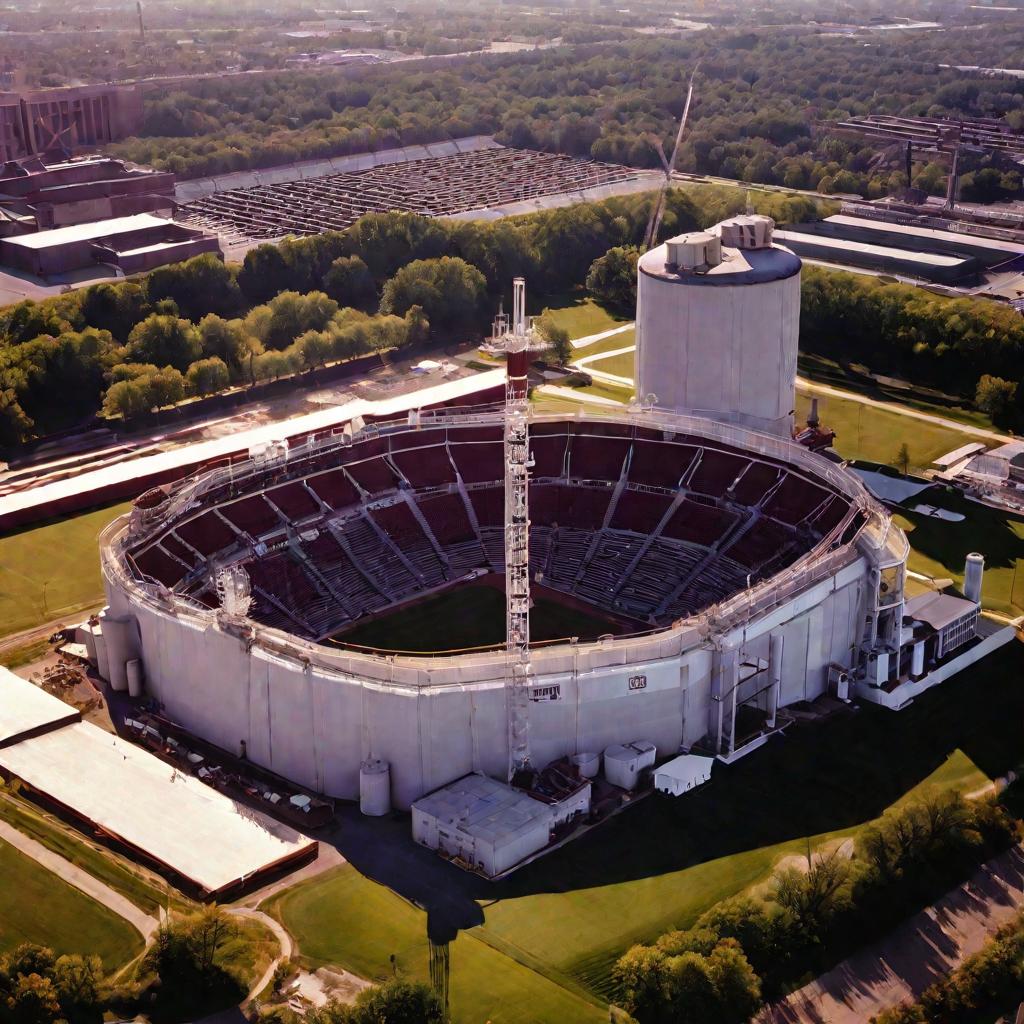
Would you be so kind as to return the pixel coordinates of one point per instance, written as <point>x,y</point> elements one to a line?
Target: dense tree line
<point>751,948</point>
<point>196,327</point>
<point>915,334</point>
<point>761,99</point>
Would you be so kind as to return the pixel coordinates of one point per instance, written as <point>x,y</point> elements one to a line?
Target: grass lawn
<point>581,316</point>
<point>566,918</point>
<point>111,869</point>
<point>852,377</point>
<point>875,435</point>
<point>344,918</point>
<point>52,570</point>
<point>471,616</point>
<point>36,906</point>
<point>939,548</point>
<point>623,364</point>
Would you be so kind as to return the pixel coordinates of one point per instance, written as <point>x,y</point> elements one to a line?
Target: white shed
<point>485,823</point>
<point>683,773</point>
<point>623,764</point>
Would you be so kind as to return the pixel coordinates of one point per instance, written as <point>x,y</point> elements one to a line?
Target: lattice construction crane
<point>517,339</point>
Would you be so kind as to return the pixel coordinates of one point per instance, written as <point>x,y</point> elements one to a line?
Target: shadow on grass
<point>815,779</point>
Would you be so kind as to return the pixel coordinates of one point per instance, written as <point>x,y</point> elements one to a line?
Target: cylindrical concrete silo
<point>718,319</point>
<point>974,573</point>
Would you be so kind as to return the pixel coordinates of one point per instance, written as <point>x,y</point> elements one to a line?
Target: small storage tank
<point>375,787</point>
<point>974,571</point>
<point>133,669</point>
<point>589,764</point>
<point>623,764</point>
<point>102,666</point>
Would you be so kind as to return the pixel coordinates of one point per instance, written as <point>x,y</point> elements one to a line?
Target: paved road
<point>909,959</point>
<point>81,880</point>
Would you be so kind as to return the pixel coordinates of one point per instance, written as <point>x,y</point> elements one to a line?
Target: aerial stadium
<point>721,572</point>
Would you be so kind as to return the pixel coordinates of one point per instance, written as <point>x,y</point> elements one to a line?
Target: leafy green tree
<point>201,285</point>
<point>271,365</point>
<point>208,376</point>
<point>224,339</point>
<point>557,337</point>
<point>995,396</point>
<point>127,398</point>
<point>815,896</point>
<point>612,278</point>
<point>164,341</point>
<point>263,273</point>
<point>33,1000</point>
<point>449,290</point>
<point>349,282</point>
<point>115,307</point>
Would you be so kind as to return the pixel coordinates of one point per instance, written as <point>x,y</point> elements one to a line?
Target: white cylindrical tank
<point>974,571</point>
<point>917,660</point>
<point>589,764</point>
<point>133,670</point>
<point>623,764</point>
<point>102,665</point>
<point>375,787</point>
<point>717,326</point>
<point>119,649</point>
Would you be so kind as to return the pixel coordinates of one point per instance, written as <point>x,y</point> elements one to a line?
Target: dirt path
<point>909,959</point>
<point>81,880</point>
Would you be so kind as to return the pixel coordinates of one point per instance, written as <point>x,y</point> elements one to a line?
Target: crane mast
<point>517,343</point>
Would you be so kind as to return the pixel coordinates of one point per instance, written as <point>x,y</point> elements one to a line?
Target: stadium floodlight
<point>233,591</point>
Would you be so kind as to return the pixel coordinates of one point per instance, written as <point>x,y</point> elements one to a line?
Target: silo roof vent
<point>750,231</point>
<point>697,251</point>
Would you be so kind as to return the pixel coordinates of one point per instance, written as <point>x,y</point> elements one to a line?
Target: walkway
<point>81,880</point>
<point>909,959</point>
<point>592,339</point>
<point>577,395</point>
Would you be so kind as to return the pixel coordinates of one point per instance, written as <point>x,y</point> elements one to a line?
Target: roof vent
<point>750,231</point>
<point>698,251</point>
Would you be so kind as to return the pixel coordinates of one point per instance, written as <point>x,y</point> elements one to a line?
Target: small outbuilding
<point>623,765</point>
<point>683,773</point>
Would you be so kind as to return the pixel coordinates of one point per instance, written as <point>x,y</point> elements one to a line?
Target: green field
<point>560,923</point>
<point>36,906</point>
<point>52,570</point>
<point>581,316</point>
<point>622,365</point>
<point>875,435</point>
<point>471,616</point>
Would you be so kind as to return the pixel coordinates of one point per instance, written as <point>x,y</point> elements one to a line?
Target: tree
<point>207,376</point>
<point>166,387</point>
<point>348,280</point>
<point>207,931</point>
<point>77,980</point>
<point>312,349</point>
<point>418,325</point>
<point>271,365</point>
<point>903,459</point>
<point>557,337</point>
<point>816,895</point>
<point>449,290</point>
<point>612,278</point>
<point>263,272</point>
<point>165,341</point>
<point>225,339</point>
<point>398,1002</point>
<point>995,396</point>
<point>33,1000</point>
<point>127,398</point>
<point>201,285</point>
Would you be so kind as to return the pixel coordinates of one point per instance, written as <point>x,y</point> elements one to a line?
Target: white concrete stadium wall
<point>314,725</point>
<point>728,352</point>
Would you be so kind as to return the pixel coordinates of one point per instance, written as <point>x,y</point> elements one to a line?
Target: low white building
<point>624,764</point>
<point>683,773</point>
<point>488,825</point>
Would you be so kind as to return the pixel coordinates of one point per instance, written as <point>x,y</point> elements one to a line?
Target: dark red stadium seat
<point>716,472</point>
<point>795,499</point>
<point>374,475</point>
<point>426,467</point>
<point>597,458</point>
<point>762,542</point>
<point>660,463</point>
<point>447,518</point>
<point>398,522</point>
<point>207,533</point>
<point>294,501</point>
<point>155,562</point>
<point>698,523</point>
<point>479,461</point>
<point>252,515</point>
<point>639,511</point>
<point>755,482</point>
<point>175,547</point>
<point>334,488</point>
<point>548,451</point>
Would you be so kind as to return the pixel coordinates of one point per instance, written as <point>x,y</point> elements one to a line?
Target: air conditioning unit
<point>839,681</point>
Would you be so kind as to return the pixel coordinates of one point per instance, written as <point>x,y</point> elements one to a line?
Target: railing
<point>886,542</point>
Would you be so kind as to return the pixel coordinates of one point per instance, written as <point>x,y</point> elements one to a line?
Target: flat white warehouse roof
<point>87,232</point>
<point>140,800</point>
<point>25,708</point>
